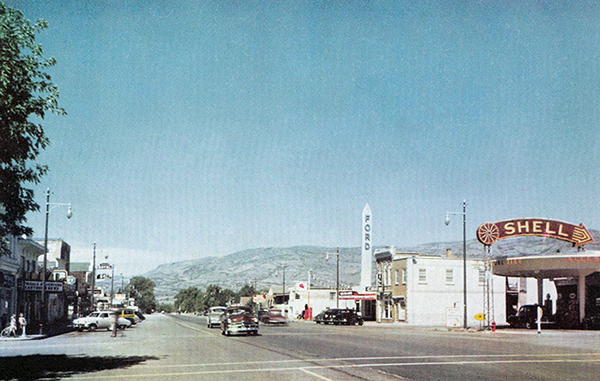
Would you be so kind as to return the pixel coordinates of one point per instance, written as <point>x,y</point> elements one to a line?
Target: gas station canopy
<point>550,266</point>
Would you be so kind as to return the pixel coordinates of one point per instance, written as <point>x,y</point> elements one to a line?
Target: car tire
<point>529,325</point>
<point>92,327</point>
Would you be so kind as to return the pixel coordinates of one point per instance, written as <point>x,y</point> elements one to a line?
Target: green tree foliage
<point>142,289</point>
<point>189,300</point>
<point>192,299</point>
<point>27,94</point>
<point>246,290</point>
<point>217,296</point>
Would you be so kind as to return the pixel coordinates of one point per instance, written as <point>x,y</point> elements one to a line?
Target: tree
<point>217,296</point>
<point>143,291</point>
<point>27,94</point>
<point>189,299</point>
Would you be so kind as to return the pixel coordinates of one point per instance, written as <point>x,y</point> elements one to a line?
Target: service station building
<point>576,274</point>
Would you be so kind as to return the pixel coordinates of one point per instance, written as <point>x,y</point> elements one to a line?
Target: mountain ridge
<point>264,267</point>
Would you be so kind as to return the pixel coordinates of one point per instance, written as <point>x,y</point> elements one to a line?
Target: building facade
<point>428,290</point>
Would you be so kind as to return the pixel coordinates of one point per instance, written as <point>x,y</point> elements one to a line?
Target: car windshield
<point>235,311</point>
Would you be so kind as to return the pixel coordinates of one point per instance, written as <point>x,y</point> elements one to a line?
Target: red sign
<point>353,295</point>
<point>490,232</point>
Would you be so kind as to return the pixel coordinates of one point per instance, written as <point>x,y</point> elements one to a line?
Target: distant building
<point>59,254</point>
<point>80,284</point>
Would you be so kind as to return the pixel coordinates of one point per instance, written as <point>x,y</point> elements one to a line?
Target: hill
<point>263,267</point>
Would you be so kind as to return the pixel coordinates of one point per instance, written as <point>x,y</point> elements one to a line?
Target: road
<point>181,347</point>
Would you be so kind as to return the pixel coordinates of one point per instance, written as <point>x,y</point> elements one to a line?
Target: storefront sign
<point>490,232</point>
<point>353,295</point>
<point>37,286</point>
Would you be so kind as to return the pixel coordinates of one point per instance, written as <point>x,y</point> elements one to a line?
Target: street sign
<point>480,317</point>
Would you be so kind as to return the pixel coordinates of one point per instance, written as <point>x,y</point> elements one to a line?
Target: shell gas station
<point>576,275</point>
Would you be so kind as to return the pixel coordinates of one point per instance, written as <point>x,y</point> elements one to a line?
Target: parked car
<point>339,316</point>
<point>239,319</point>
<point>526,317</point>
<point>271,316</point>
<point>592,322</point>
<point>129,315</point>
<point>213,316</point>
<point>140,316</point>
<point>100,320</point>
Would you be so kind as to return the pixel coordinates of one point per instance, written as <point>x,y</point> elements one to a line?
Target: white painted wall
<point>427,301</point>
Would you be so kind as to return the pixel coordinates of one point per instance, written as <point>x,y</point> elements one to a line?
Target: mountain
<point>263,267</point>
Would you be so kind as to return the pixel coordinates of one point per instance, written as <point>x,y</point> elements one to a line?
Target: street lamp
<point>283,285</point>
<point>337,278</point>
<point>447,222</point>
<point>69,215</point>
<point>92,306</point>
<point>283,266</point>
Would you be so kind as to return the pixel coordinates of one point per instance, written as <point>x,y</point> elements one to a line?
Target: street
<point>181,347</point>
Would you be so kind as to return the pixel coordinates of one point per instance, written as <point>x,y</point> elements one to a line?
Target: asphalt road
<point>181,347</point>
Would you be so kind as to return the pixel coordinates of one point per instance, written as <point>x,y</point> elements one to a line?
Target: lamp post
<point>447,222</point>
<point>283,285</point>
<point>337,276</point>
<point>69,215</point>
<point>93,279</point>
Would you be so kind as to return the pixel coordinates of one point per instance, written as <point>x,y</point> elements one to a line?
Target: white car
<point>99,320</point>
<point>214,315</point>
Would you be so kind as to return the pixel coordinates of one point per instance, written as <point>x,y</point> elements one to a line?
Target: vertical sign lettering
<point>367,248</point>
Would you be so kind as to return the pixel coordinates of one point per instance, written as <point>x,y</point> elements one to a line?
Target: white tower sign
<point>367,248</point>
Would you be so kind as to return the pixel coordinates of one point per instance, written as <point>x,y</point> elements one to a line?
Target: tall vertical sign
<point>367,248</point>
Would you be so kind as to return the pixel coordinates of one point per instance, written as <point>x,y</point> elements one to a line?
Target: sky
<point>201,128</point>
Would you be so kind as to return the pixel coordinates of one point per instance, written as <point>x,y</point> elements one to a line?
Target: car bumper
<point>242,328</point>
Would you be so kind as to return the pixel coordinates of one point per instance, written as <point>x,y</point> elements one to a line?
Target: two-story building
<point>429,290</point>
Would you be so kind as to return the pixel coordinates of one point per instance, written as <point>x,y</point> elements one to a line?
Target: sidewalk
<point>53,330</point>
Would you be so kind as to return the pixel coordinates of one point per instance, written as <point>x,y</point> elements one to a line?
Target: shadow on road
<point>53,367</point>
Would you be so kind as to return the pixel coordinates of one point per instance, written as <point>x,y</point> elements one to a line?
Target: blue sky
<point>200,128</point>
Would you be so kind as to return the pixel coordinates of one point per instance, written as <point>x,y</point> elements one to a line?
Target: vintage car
<point>591,322</point>
<point>339,316</point>
<point>526,317</point>
<point>213,316</point>
<point>239,319</point>
<point>99,320</point>
<point>129,315</point>
<point>271,316</point>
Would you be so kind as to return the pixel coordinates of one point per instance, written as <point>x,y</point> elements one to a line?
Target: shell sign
<point>490,232</point>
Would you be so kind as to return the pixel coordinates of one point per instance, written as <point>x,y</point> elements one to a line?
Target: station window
<point>449,276</point>
<point>422,275</point>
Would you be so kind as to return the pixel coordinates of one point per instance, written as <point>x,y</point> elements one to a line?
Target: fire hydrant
<point>493,326</point>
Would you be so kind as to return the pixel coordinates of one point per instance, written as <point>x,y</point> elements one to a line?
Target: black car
<point>526,317</point>
<point>592,322</point>
<point>339,316</point>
